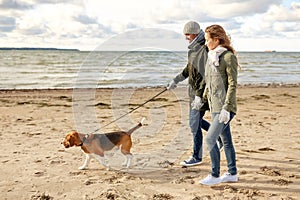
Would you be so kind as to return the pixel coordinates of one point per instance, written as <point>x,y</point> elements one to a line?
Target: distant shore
<point>71,49</point>
<point>36,49</point>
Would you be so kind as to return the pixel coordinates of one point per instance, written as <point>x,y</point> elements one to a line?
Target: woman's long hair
<point>217,31</point>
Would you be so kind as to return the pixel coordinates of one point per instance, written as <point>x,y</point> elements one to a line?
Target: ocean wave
<point>55,69</point>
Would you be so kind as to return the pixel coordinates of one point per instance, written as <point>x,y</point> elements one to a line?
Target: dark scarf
<point>199,39</point>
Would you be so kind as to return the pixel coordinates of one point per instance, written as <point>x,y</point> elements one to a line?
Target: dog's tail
<point>139,125</point>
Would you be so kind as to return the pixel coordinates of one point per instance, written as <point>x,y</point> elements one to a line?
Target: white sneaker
<point>227,177</point>
<point>210,180</point>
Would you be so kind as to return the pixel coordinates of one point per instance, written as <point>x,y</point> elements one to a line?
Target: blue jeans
<point>196,123</point>
<point>223,130</point>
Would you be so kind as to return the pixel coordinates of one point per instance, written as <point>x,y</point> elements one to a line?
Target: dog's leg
<point>125,161</point>
<point>86,162</point>
<point>125,149</point>
<point>102,160</point>
<point>128,160</point>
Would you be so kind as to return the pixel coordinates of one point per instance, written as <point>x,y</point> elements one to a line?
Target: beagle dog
<point>96,144</point>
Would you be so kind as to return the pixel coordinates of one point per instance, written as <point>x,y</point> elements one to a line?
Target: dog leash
<point>131,110</point>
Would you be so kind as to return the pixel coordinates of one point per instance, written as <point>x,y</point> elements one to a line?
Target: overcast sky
<point>254,25</point>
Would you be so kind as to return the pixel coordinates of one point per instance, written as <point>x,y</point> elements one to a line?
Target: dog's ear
<point>67,141</point>
<point>71,139</point>
<point>74,139</point>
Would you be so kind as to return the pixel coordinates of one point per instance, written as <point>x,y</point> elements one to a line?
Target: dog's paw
<point>142,121</point>
<point>81,168</point>
<point>128,166</point>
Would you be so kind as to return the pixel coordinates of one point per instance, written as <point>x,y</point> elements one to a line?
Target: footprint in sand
<point>266,149</point>
<point>250,193</point>
<point>269,172</point>
<point>39,173</point>
<point>43,195</point>
<point>282,182</point>
<point>162,196</point>
<point>165,164</point>
<point>186,179</point>
<point>249,151</point>
<point>260,97</point>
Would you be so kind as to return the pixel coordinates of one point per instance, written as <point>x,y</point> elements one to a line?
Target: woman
<point>221,83</point>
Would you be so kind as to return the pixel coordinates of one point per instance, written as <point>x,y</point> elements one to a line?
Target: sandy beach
<point>35,165</point>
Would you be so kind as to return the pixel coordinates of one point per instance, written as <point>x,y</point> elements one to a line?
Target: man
<point>194,70</point>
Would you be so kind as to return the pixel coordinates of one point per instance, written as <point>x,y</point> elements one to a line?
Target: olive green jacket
<point>221,83</point>
<point>195,71</point>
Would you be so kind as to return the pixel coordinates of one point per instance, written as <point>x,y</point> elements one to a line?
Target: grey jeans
<point>223,130</point>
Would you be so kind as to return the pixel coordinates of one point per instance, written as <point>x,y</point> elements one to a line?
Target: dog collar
<point>83,139</point>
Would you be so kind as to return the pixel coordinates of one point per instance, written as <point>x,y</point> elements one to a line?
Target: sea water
<point>41,69</point>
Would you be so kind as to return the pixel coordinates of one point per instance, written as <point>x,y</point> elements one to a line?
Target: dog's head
<point>72,139</point>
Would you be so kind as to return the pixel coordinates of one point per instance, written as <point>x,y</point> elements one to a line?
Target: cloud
<point>7,24</point>
<point>277,21</point>
<point>35,30</point>
<point>148,38</point>
<point>124,15</point>
<point>92,27</point>
<point>14,5</point>
<point>236,8</point>
<point>84,19</point>
<point>283,14</point>
<point>85,22</point>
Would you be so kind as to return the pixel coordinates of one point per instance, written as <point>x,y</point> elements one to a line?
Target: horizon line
<point>75,49</point>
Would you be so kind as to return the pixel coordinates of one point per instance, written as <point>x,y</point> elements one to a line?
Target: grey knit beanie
<point>191,28</point>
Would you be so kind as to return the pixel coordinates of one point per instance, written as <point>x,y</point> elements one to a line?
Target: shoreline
<point>261,85</point>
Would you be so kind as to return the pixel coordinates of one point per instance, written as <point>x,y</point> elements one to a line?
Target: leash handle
<point>132,110</point>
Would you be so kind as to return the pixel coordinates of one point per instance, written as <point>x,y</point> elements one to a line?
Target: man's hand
<point>172,85</point>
